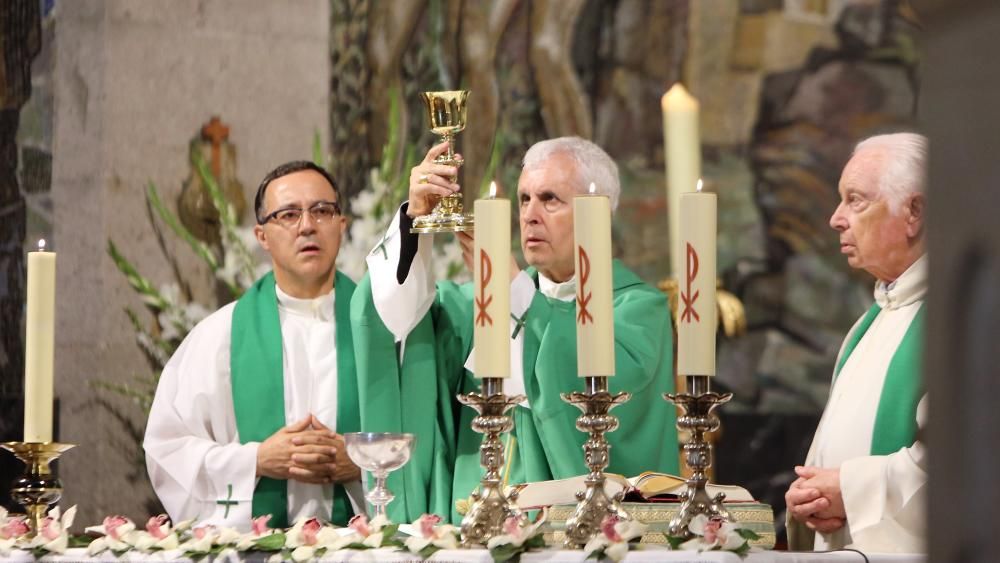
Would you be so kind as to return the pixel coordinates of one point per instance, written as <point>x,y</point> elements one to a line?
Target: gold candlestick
<point>593,503</point>
<point>37,488</point>
<point>447,112</point>
<point>491,507</point>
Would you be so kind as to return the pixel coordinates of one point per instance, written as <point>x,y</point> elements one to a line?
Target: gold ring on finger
<point>422,179</point>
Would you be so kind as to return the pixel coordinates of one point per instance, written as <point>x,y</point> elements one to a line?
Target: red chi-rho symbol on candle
<point>483,301</point>
<point>582,315</point>
<point>686,296</point>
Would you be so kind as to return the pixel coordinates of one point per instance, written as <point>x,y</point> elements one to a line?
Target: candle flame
<point>493,190</point>
<point>41,245</point>
<point>700,183</point>
<point>593,189</point>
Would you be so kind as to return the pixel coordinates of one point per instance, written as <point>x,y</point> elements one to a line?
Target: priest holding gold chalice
<point>414,338</point>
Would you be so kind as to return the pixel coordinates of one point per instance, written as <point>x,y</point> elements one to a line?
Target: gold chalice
<point>447,112</point>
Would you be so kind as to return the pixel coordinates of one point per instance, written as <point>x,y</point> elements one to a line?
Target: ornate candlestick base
<point>490,506</point>
<point>38,488</point>
<point>698,419</point>
<point>594,504</point>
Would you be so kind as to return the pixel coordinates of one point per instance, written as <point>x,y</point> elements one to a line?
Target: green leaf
<point>318,150</point>
<point>79,541</point>
<point>676,541</point>
<point>357,545</point>
<point>273,542</point>
<point>506,552</point>
<point>201,249</point>
<point>426,552</point>
<point>597,554</point>
<point>742,550</point>
<point>536,541</point>
<point>747,534</point>
<point>389,531</point>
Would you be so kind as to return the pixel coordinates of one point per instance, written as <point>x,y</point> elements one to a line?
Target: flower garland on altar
<point>310,539</point>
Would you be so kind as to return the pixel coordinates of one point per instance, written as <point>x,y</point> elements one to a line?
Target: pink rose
<point>15,527</point>
<point>155,526</point>
<point>259,524</point>
<point>360,525</point>
<point>427,523</point>
<point>608,527</point>
<point>50,528</point>
<point>512,527</point>
<point>111,525</point>
<point>310,530</point>
<point>712,530</point>
<point>200,533</point>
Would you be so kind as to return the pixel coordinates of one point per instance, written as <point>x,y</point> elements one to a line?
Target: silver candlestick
<point>491,507</point>
<point>699,418</point>
<point>593,503</point>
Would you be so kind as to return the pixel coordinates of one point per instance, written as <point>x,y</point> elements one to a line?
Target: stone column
<point>959,112</point>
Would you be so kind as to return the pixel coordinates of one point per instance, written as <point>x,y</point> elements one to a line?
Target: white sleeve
<point>884,497</point>
<point>193,453</point>
<point>401,305</point>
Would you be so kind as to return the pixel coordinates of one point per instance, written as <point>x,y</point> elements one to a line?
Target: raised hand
<point>429,182</point>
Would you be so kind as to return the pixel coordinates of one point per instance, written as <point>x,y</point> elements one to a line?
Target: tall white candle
<point>682,148</point>
<point>491,274</point>
<point>696,308</point>
<point>595,321</point>
<point>39,345</point>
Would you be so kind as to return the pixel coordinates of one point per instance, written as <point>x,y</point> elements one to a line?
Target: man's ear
<point>916,209</point>
<point>258,231</point>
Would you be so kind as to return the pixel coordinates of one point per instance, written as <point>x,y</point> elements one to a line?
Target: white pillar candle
<point>696,307</point>
<point>39,345</point>
<point>595,320</point>
<point>491,274</point>
<point>682,148</point>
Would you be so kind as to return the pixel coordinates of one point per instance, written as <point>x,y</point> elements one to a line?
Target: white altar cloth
<point>646,555</point>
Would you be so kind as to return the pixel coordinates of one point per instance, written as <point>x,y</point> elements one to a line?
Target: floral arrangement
<point>617,537</point>
<point>310,539</point>
<point>715,534</point>
<point>519,536</point>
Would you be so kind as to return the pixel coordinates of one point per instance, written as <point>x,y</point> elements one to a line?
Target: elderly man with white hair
<point>413,336</point>
<point>864,479</point>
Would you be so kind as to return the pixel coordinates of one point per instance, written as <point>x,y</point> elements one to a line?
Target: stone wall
<point>134,82</point>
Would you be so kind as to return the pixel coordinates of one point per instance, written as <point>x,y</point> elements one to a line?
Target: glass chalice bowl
<point>379,453</point>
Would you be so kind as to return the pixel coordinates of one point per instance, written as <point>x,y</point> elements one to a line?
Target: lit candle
<point>682,148</point>
<point>39,345</point>
<point>696,308</point>
<point>595,321</point>
<point>491,273</point>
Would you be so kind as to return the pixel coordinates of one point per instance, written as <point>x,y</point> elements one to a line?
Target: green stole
<point>259,387</point>
<point>895,421</point>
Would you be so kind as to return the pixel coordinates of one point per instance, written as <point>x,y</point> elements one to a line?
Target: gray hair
<point>905,169</point>
<point>592,164</point>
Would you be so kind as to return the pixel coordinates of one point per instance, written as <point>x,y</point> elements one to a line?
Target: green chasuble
<point>896,418</point>
<point>259,388</point>
<point>419,396</point>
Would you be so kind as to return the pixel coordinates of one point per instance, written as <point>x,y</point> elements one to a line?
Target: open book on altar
<point>649,487</point>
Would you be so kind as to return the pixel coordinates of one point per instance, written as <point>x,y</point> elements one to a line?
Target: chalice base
<point>446,217</point>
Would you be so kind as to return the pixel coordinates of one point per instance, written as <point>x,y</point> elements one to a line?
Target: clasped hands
<point>306,451</point>
<point>815,499</point>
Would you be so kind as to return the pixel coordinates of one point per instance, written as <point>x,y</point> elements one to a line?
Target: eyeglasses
<point>289,217</point>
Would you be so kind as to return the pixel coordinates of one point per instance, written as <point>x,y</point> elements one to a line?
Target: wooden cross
<point>228,501</point>
<point>215,132</point>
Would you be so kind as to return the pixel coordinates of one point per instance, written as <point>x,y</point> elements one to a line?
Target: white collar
<point>908,288</point>
<point>565,291</point>
<point>318,307</point>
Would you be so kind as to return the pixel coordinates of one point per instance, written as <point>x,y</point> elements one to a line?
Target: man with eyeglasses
<point>249,412</point>
<point>414,342</point>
